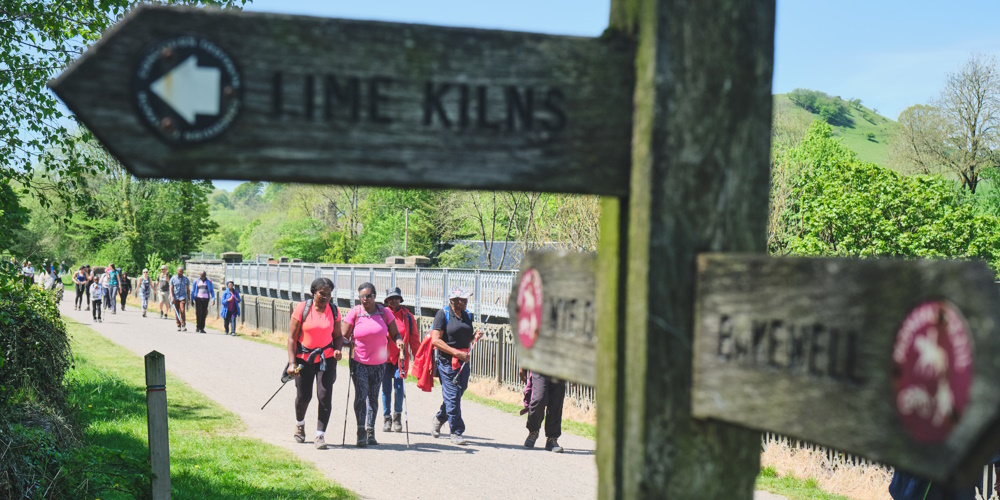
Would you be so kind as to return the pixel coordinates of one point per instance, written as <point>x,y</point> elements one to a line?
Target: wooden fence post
<point>699,182</point>
<point>156,422</point>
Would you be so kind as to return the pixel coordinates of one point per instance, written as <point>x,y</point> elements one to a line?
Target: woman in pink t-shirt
<point>369,327</point>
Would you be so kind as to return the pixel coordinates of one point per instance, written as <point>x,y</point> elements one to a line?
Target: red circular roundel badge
<point>932,358</point>
<point>529,307</point>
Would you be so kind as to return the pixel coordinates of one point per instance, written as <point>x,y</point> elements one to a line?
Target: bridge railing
<point>421,287</point>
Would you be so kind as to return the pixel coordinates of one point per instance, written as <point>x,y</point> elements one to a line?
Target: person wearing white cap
<point>452,335</point>
<point>145,289</point>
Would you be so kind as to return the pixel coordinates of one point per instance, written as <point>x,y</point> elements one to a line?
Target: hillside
<point>853,132</point>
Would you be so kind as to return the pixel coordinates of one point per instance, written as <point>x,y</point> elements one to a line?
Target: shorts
<point>164,298</point>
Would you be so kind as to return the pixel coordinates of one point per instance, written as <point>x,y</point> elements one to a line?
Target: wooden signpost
<point>196,93</point>
<point>669,115</point>
<point>553,315</point>
<point>894,360</point>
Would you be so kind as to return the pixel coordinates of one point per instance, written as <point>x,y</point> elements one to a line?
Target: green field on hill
<point>855,133</point>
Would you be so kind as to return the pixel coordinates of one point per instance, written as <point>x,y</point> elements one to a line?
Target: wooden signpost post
<point>668,114</point>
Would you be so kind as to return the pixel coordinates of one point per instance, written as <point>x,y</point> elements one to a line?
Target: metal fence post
<point>476,289</point>
<point>444,287</point>
<point>416,291</point>
<point>392,277</point>
<point>353,288</point>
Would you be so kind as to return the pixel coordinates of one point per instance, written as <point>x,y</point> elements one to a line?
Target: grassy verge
<point>208,459</point>
<point>792,487</point>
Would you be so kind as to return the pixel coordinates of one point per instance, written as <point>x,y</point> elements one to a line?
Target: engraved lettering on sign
<point>799,349</point>
<point>444,105</point>
<point>570,318</point>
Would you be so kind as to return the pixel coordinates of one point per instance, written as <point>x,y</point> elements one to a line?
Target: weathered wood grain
<point>699,183</point>
<point>566,343</point>
<point>432,107</point>
<point>839,394</point>
<point>156,423</point>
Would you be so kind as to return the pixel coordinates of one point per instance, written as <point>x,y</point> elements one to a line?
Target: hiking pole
<point>350,380</point>
<point>177,314</point>
<point>406,414</point>
<point>285,377</point>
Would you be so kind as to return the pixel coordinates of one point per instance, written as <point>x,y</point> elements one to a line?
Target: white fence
<point>422,288</point>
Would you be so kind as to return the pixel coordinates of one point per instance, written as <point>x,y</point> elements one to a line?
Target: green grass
<point>208,457</point>
<point>854,136</point>
<point>791,487</point>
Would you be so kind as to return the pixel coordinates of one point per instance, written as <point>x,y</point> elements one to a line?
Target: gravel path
<point>241,374</point>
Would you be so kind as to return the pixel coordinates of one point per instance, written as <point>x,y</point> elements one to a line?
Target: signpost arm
<point>699,182</point>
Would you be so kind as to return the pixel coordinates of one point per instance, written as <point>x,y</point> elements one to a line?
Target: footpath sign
<point>552,313</point>
<point>197,93</point>
<point>668,114</point>
<point>894,360</point>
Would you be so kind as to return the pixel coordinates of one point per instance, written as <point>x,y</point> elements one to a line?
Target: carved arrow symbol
<point>190,90</point>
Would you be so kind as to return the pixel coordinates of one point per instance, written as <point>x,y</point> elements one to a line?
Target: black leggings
<point>79,296</point>
<point>367,384</point>
<point>324,391</point>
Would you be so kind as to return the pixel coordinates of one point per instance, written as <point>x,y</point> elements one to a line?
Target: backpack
<point>313,353</point>
<point>447,314</point>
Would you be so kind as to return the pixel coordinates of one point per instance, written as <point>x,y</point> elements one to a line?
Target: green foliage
<point>846,207</point>
<point>302,239</point>
<point>38,38</point>
<point>248,193</point>
<point>221,199</point>
<point>341,250</point>
<point>13,216</point>
<point>457,256</point>
<point>832,109</point>
<point>870,136</point>
<point>34,347</point>
<point>384,223</point>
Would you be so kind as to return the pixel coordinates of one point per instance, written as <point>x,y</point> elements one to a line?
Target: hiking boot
<point>178,328</point>
<point>458,439</point>
<point>552,445</point>
<point>387,425</point>
<point>532,437</point>
<point>300,433</point>
<point>436,427</point>
<point>397,423</point>
<point>320,443</point>
<point>371,437</point>
<point>144,314</point>
<point>362,437</point>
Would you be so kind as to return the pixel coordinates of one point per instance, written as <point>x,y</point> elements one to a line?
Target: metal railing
<point>422,288</point>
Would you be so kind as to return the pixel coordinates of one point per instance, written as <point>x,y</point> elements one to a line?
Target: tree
<point>959,133</point>
<point>841,206</point>
<point>920,143</point>
<point>248,193</point>
<point>38,38</point>
<point>970,103</point>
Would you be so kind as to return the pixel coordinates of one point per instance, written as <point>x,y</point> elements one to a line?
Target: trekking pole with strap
<point>285,377</point>
<point>177,314</point>
<point>406,414</point>
<point>350,382</point>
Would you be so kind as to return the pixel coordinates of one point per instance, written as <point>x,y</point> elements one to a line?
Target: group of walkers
<point>102,289</point>
<point>381,339</point>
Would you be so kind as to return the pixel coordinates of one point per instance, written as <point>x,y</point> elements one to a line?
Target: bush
<point>871,136</point>
<point>35,349</point>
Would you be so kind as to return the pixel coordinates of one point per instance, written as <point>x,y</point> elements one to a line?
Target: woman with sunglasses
<point>369,327</point>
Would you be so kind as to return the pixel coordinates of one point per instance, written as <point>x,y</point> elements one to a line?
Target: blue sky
<point>889,53</point>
